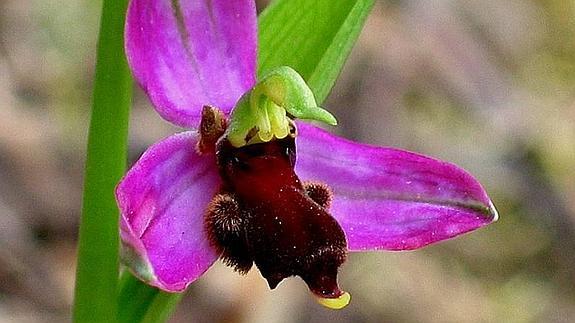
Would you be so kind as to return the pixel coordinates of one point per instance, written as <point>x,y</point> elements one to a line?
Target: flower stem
<point>139,302</point>
<point>97,271</point>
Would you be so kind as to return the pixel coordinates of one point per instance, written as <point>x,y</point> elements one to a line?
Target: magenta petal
<point>189,53</point>
<point>391,199</point>
<point>162,200</point>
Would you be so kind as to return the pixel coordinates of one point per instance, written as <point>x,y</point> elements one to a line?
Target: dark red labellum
<point>265,215</point>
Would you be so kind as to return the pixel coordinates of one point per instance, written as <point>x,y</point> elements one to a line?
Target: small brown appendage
<point>212,126</point>
<point>319,192</point>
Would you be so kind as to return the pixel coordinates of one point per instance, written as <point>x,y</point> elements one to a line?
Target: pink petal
<point>390,199</point>
<point>189,53</point>
<point>162,200</point>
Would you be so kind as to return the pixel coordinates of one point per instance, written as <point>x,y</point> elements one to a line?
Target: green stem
<point>98,264</point>
<point>139,302</point>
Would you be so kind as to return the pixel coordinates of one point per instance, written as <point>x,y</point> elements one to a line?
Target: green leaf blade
<point>98,263</point>
<point>314,37</point>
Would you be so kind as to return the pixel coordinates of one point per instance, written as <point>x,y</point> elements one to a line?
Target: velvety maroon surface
<point>286,232</point>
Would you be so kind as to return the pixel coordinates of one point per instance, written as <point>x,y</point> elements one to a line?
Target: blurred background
<point>486,84</point>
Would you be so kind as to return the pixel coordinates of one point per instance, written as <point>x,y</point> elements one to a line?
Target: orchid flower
<point>223,189</point>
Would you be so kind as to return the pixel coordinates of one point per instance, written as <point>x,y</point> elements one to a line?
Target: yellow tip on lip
<point>335,303</point>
